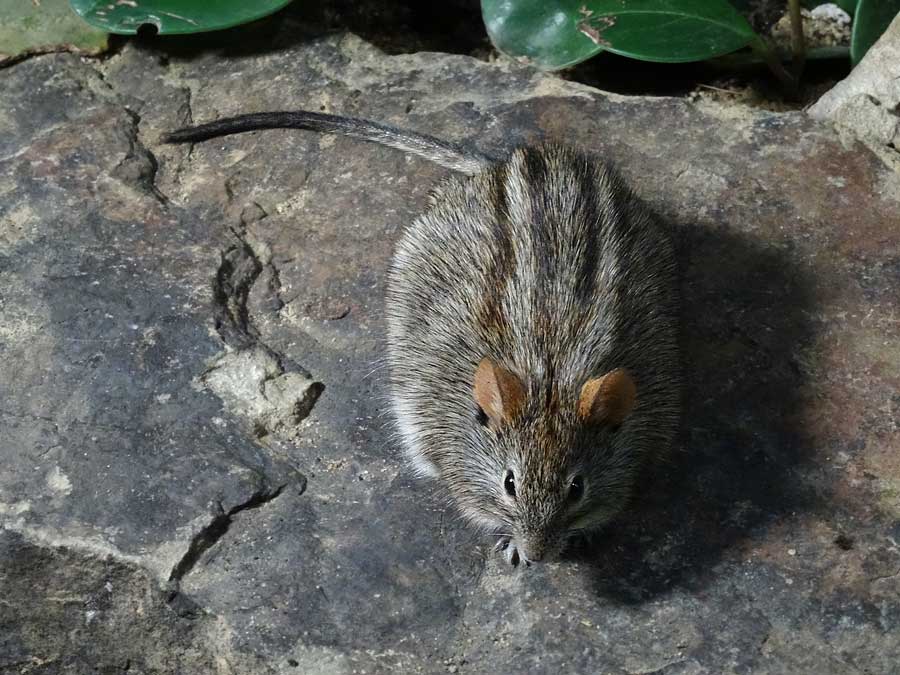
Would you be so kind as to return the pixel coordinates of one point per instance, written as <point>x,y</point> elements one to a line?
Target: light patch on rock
<point>58,481</point>
<point>865,103</point>
<point>320,661</point>
<point>831,12</point>
<point>15,508</point>
<point>19,228</point>
<point>253,385</point>
<point>82,538</point>
<point>825,26</point>
<point>21,326</point>
<point>294,203</point>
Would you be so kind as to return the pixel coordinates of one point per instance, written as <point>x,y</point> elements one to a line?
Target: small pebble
<point>792,551</point>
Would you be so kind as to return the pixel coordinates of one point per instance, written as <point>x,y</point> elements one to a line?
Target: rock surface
<point>867,102</point>
<point>180,494</point>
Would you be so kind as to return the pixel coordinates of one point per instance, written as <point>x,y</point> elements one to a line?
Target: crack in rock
<point>238,270</point>
<point>241,267</point>
<point>217,528</point>
<point>139,166</point>
<point>885,577</point>
<point>253,380</point>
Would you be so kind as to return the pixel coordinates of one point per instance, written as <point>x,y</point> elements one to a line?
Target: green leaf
<point>554,34</point>
<point>172,17</point>
<point>872,19</point>
<point>27,27</point>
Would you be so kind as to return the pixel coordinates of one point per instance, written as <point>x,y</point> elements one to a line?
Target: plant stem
<point>798,41</point>
<point>767,53</point>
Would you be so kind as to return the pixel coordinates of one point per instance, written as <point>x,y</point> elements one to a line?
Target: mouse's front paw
<point>508,548</point>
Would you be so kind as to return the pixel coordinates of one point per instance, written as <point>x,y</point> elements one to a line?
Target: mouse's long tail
<point>441,152</point>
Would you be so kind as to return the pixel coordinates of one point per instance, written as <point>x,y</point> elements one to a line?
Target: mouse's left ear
<point>498,392</point>
<point>608,399</point>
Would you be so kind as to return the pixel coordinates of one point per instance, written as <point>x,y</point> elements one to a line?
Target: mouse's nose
<point>532,552</point>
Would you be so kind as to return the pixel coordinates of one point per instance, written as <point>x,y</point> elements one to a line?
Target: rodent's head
<point>547,470</point>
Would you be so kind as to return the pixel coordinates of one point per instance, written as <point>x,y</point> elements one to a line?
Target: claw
<point>508,547</point>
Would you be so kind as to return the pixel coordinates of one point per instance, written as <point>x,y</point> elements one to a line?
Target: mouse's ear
<point>499,392</point>
<point>608,399</point>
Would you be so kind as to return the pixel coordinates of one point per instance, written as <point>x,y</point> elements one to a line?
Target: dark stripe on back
<point>588,210</point>
<point>542,232</point>
<point>542,236</point>
<point>502,261</point>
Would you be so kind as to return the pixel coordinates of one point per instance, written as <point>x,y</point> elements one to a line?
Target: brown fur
<point>608,399</point>
<point>548,265</point>
<point>499,392</point>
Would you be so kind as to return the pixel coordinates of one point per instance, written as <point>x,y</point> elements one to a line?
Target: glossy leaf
<point>172,17</point>
<point>871,20</point>
<point>555,34</point>
<point>27,28</point>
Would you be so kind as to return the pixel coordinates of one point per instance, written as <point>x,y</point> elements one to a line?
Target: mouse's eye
<point>576,489</point>
<point>481,416</point>
<point>509,483</point>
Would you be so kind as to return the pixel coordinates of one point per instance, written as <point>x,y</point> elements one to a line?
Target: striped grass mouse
<point>532,315</point>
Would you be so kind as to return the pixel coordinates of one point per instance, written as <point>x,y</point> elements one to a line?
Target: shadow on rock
<point>745,338</point>
<point>394,26</point>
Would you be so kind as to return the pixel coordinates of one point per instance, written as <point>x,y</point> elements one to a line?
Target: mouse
<point>532,315</point>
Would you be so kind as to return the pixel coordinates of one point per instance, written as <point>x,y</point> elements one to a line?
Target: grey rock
<point>159,302</point>
<point>252,383</point>
<point>870,119</point>
<point>81,610</point>
<point>867,102</point>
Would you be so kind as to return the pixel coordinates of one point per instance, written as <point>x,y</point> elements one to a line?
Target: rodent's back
<point>547,264</point>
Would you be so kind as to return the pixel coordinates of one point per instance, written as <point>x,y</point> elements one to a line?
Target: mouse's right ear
<point>499,392</point>
<point>608,399</point>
